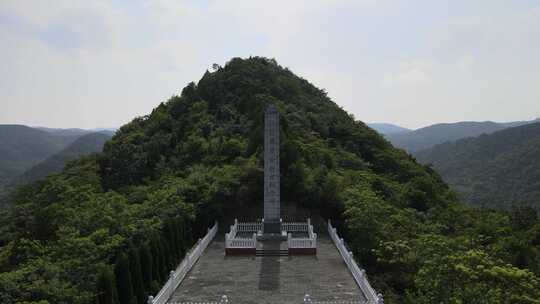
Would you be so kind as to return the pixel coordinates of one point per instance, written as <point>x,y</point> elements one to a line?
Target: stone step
<point>271,252</point>
<point>272,255</point>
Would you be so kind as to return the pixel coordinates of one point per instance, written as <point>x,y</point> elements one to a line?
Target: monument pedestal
<point>271,230</point>
<point>272,237</point>
<point>272,227</point>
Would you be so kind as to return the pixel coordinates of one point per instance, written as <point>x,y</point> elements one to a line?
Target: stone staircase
<point>272,248</point>
<point>271,252</point>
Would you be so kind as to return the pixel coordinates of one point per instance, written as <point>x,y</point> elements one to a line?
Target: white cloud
<point>378,59</point>
<point>465,62</point>
<point>410,73</point>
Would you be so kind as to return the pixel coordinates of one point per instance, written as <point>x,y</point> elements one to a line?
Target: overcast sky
<point>100,63</point>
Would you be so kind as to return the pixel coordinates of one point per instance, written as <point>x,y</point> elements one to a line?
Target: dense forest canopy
<point>496,170</point>
<point>110,225</point>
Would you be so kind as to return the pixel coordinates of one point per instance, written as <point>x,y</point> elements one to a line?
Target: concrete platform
<point>257,280</point>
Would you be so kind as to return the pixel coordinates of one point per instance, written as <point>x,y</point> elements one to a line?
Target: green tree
<point>106,287</point>
<point>157,259</point>
<point>474,277</point>
<point>180,242</point>
<point>146,267</point>
<point>167,257</point>
<point>171,239</point>
<point>124,283</point>
<point>365,215</point>
<point>523,217</point>
<point>136,275</point>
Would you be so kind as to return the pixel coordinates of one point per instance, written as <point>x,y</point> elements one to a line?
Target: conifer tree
<point>146,267</point>
<point>136,275</point>
<point>188,234</point>
<point>106,287</point>
<point>176,238</point>
<point>156,259</point>
<point>124,284</point>
<point>167,256</point>
<point>170,240</point>
<point>163,263</point>
<point>179,237</point>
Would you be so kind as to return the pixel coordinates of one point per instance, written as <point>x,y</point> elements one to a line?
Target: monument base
<point>272,227</point>
<point>272,237</point>
<point>272,231</point>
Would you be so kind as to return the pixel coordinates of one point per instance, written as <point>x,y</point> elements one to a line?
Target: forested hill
<point>112,225</point>
<point>22,147</point>
<point>496,170</point>
<point>427,137</point>
<point>28,153</point>
<point>84,145</point>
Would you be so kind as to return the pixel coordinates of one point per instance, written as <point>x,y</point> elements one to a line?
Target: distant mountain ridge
<point>495,170</point>
<point>430,136</point>
<point>77,131</point>
<point>24,147</point>
<point>64,132</point>
<point>388,128</point>
<point>84,145</point>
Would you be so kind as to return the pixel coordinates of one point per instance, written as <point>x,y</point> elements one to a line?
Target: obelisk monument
<point>272,223</point>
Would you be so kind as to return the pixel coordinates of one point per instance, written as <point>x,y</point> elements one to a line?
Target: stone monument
<point>272,219</point>
<point>271,237</point>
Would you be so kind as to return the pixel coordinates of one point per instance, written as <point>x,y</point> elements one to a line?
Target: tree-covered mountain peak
<point>163,178</point>
<point>219,120</point>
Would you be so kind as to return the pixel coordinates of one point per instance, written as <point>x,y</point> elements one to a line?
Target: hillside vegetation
<point>496,170</point>
<point>427,137</point>
<point>110,226</point>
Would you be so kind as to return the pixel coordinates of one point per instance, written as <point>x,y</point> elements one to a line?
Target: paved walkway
<point>269,279</point>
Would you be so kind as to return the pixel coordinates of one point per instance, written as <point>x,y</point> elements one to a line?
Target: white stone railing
<point>358,273</point>
<point>232,241</point>
<point>248,227</point>
<point>309,242</point>
<point>176,276</point>
<point>301,242</point>
<point>295,226</point>
<point>232,231</point>
<point>311,233</point>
